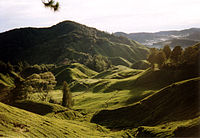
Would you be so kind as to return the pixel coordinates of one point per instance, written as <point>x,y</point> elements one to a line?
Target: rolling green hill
<point>175,102</point>
<point>129,98</point>
<point>16,122</point>
<point>72,72</point>
<point>48,109</point>
<point>125,98</point>
<point>66,41</point>
<point>117,72</point>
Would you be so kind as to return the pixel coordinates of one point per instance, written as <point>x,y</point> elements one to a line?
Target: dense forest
<point>70,80</point>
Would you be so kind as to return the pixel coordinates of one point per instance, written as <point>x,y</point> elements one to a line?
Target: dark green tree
<point>160,58</point>
<point>191,54</point>
<point>176,54</point>
<point>167,51</point>
<point>152,56</point>
<point>67,96</point>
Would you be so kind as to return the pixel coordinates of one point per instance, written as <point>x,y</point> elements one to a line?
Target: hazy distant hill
<point>66,41</point>
<point>184,38</point>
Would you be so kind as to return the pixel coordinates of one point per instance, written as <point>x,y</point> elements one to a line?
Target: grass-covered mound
<point>88,80</point>
<point>152,79</point>
<point>120,61</point>
<point>117,72</point>
<point>16,122</point>
<point>176,102</point>
<point>141,64</point>
<point>185,128</point>
<point>6,80</point>
<point>48,109</point>
<point>70,73</point>
<point>7,83</point>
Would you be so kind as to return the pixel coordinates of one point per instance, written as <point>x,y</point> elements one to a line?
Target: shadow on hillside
<point>152,81</point>
<point>137,98</point>
<point>34,107</point>
<point>176,102</point>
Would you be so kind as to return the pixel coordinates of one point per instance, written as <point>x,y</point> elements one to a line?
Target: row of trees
<point>178,56</point>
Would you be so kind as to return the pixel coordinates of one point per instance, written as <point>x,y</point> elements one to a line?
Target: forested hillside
<point>68,42</point>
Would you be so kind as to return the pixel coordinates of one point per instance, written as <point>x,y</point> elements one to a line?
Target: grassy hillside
<point>152,80</point>
<point>175,102</point>
<point>48,109</point>
<point>120,61</point>
<point>6,80</point>
<point>123,98</point>
<point>66,41</point>
<point>117,72</point>
<point>6,85</point>
<point>120,86</point>
<point>185,128</point>
<point>72,72</point>
<point>16,122</point>
<point>141,64</point>
<point>128,102</point>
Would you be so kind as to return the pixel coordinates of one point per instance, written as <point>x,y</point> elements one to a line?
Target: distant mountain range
<point>183,38</point>
<point>67,41</point>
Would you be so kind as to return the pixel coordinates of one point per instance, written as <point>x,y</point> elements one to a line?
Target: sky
<point>127,16</point>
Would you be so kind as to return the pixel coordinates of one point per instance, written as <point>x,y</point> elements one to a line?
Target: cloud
<point>107,15</point>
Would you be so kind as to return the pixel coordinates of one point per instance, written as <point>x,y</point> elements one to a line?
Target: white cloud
<point>107,15</point>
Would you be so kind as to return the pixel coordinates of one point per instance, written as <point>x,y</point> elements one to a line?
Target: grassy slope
<point>16,122</point>
<point>49,110</point>
<point>6,80</point>
<point>119,86</point>
<point>176,102</point>
<point>142,64</point>
<point>152,80</point>
<point>185,128</point>
<point>117,72</point>
<point>86,89</point>
<point>72,73</point>
<point>6,85</point>
<point>104,91</point>
<point>117,78</point>
<point>180,119</point>
<point>119,61</point>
